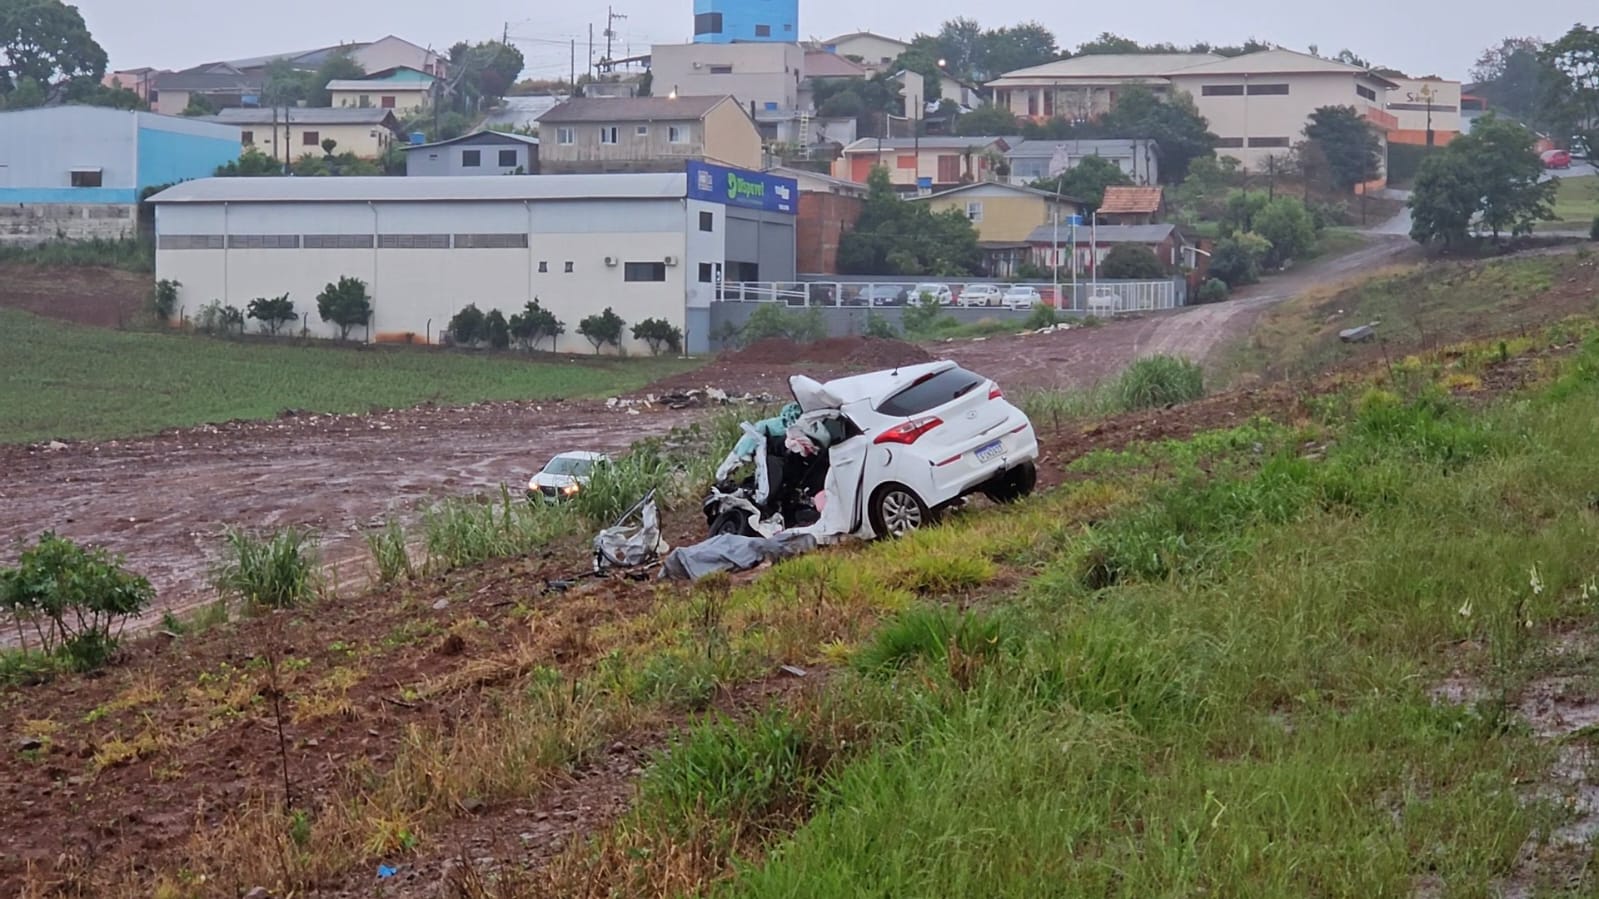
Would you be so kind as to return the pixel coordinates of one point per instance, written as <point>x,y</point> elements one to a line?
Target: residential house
<point>478,153</point>
<point>828,208</point>
<point>1055,247</point>
<point>1423,107</point>
<point>387,52</point>
<point>141,80</point>
<point>1132,206</point>
<point>764,78</point>
<point>1035,160</point>
<point>874,51</point>
<point>646,134</point>
<point>238,82</point>
<point>1005,217</point>
<point>928,163</point>
<point>1257,104</point>
<point>218,84</point>
<point>78,172</point>
<point>404,90</point>
<point>290,133</point>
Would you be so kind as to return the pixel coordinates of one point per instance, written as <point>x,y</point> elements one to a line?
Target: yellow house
<point>290,133</point>
<point>1003,213</point>
<point>401,89</point>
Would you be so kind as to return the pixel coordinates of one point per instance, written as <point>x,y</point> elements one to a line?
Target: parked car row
<point>1014,296</point>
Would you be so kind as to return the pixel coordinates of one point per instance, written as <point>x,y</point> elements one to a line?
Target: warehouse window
<point>708,23</point>
<point>705,273</point>
<point>508,159</point>
<point>1229,143</point>
<point>311,138</point>
<point>1261,142</point>
<point>544,268</point>
<point>86,178</point>
<point>336,241</point>
<point>189,242</point>
<point>516,241</point>
<point>413,241</point>
<point>263,241</point>
<point>644,271</point>
<point>608,135</point>
<point>568,268</point>
<point>707,221</point>
<point>1222,90</point>
<point>247,138</point>
<point>721,70</point>
<point>471,159</point>
<point>1268,90</point>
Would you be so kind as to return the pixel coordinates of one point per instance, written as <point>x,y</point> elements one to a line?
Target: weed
<point>1156,381</point>
<point>935,634</point>
<point>76,600</point>
<point>463,532</point>
<point>132,255</point>
<point>391,553</point>
<point>275,572</point>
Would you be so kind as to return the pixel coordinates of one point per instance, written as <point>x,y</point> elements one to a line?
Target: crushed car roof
<point>875,385</point>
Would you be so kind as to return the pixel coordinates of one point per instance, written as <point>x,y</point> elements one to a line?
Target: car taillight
<point>909,432</point>
<point>994,393</point>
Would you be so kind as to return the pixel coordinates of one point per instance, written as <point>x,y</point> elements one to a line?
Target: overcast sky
<point>1418,36</point>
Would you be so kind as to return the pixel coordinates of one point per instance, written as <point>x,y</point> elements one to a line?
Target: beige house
<point>873,51</point>
<point>646,134</point>
<point>1004,213</point>
<point>764,78</point>
<point>402,90</point>
<point>1257,104</point>
<point>300,131</point>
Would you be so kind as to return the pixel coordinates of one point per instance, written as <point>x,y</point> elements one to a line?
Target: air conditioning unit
<point>610,261</point>
<point>671,260</point>
<point>699,65</point>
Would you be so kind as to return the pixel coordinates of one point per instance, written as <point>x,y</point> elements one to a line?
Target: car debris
<point>1359,334</point>
<point>634,541</point>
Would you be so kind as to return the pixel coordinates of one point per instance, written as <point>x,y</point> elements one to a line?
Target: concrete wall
<point>417,290</point>
<point>391,51</point>
<point>25,225</point>
<point>762,73</point>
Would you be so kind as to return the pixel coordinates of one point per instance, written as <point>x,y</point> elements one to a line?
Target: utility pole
<point>591,51</point>
<point>572,86</point>
<point>611,17</point>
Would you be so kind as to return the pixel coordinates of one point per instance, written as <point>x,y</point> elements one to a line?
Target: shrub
<point>729,770</point>
<point>164,298</point>
<point>929,633</point>
<point>879,326</point>
<point>272,313</point>
<point>466,531</point>
<point>1237,260</point>
<point>615,486</point>
<point>602,329</point>
<point>772,320</point>
<point>496,330</point>
<point>390,554</point>
<point>1213,291</point>
<point>1156,381</point>
<point>1593,233</point>
<point>215,318</point>
<point>467,327</point>
<point>345,304</point>
<point>659,334</point>
<point>1133,263</point>
<point>924,316</point>
<point>533,324</point>
<point>1042,316</point>
<point>276,572</point>
<point>1286,224</point>
<point>76,599</point>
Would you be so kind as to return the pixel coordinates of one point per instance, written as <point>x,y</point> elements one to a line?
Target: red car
<point>1557,159</point>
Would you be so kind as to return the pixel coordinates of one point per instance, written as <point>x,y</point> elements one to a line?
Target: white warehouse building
<point>646,245</point>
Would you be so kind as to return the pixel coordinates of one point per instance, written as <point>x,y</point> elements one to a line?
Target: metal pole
<point>1093,253</point>
<point>1074,263</point>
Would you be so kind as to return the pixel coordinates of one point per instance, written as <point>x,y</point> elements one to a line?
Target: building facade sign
<point>728,186</point>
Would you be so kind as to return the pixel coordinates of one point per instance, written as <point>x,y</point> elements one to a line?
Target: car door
<point>845,512</point>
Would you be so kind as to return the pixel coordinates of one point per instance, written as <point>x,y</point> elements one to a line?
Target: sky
<point>1420,37</point>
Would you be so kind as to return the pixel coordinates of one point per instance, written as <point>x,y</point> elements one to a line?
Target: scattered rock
<point>471,805</point>
<point>30,744</point>
<point>793,670</point>
<point>441,605</point>
<point>453,645</point>
<point>54,446</point>
<point>258,893</point>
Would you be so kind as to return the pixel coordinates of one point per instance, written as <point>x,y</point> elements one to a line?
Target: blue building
<point>729,21</point>
<point>77,172</point>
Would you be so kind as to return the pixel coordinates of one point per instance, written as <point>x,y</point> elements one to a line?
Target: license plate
<point>991,451</point>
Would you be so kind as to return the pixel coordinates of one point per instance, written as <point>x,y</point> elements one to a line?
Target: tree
<point>1175,125</point>
<point>1444,199</point>
<point>1017,47</point>
<point>199,104</point>
<point>659,334</point>
<point>467,327</point>
<point>1287,224</point>
<point>1507,170</point>
<point>894,237</point>
<point>1108,43</point>
<point>339,66</point>
<point>1132,262</point>
<point>1310,163</point>
<point>252,163</point>
<point>273,313</point>
<point>1354,154</point>
<point>1571,88</point>
<point>482,73</point>
<point>533,324</point>
<point>345,304</point>
<point>328,146</point>
<point>48,43</point>
<point>845,104</point>
<point>1511,77</point>
<point>1237,259</point>
<point>1086,180</point>
<point>1239,214</point>
<point>602,329</point>
<point>77,600</point>
<point>496,330</point>
<point>986,119</point>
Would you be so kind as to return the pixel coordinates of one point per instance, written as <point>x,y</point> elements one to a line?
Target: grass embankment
<point>131,255</point>
<point>1224,686</point>
<point>65,381</point>
<point>1576,205</point>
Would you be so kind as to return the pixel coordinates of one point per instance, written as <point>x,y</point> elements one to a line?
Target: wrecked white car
<point>880,454</point>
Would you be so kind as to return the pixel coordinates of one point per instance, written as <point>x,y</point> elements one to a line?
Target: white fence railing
<point>1094,298</point>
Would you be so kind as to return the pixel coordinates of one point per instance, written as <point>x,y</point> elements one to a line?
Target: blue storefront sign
<point>728,186</point>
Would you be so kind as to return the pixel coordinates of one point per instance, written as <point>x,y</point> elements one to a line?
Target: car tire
<point>896,510</point>
<point>732,522</point>
<point>1013,485</point>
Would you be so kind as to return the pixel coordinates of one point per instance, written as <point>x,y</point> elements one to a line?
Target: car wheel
<point>1013,485</point>
<point>897,511</point>
<point>734,522</point>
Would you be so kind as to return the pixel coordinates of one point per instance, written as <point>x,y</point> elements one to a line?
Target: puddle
<point>1558,707</point>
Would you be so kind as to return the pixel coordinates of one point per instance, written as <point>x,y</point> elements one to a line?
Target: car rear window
<point>930,392</point>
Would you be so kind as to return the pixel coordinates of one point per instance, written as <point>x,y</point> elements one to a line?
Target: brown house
<point>1132,206</point>
<point>589,135</point>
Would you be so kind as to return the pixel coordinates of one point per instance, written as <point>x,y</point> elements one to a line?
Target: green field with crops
<point>62,381</point>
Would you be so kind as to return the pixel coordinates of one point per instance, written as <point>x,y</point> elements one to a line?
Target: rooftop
<point>854,34</point>
<point>209,77</point>
<point>1103,234</point>
<point>1279,62</point>
<point>822,64</point>
<point>633,109</point>
<point>1000,185</point>
<point>307,115</point>
<point>426,189</point>
<point>1046,149</point>
<point>364,84</point>
<point>1131,201</point>
<point>495,137</point>
<point>1115,65</point>
<point>975,142</point>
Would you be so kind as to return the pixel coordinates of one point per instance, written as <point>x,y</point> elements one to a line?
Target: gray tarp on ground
<point>732,552</point>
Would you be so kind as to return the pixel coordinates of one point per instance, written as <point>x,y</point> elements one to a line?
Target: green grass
<point>66,381</point>
<point>1576,204</point>
<point>132,255</point>
<point>1245,710</point>
<point>1149,383</point>
<point>1337,242</point>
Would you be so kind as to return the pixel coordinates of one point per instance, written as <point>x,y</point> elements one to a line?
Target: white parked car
<point>1022,296</point>
<point>982,295</point>
<point>916,440</point>
<point>565,476</point>
<point>939,292</point>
